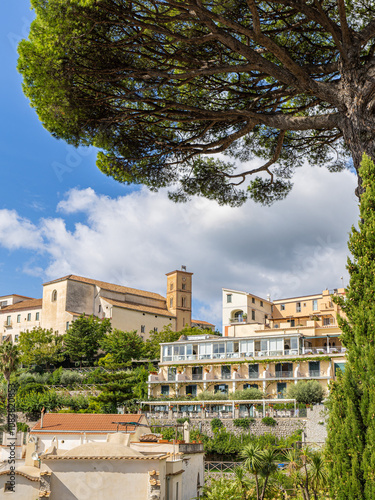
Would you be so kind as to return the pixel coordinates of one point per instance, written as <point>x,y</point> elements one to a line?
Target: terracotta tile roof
<point>201,322</point>
<point>108,286</point>
<point>15,295</point>
<point>137,307</point>
<point>85,422</point>
<point>24,304</point>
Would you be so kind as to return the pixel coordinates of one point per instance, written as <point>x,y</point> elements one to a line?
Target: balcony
<point>197,376</point>
<point>8,324</point>
<point>314,373</point>
<point>284,374</point>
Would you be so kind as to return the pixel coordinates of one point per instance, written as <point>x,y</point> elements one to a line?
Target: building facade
<point>65,299</point>
<point>265,345</point>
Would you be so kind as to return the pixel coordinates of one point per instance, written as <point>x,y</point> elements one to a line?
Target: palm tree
<point>9,361</point>
<point>253,462</point>
<point>260,463</point>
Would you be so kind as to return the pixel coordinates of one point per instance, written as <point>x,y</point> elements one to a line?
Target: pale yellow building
<point>66,298</point>
<point>266,345</point>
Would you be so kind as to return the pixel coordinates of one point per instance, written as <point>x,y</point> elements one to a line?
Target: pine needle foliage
<point>351,427</point>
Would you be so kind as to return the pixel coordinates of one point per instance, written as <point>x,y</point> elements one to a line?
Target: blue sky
<point>60,215</point>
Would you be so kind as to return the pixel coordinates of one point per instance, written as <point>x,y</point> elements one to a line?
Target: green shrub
<point>183,420</point>
<point>22,427</point>
<point>244,423</point>
<point>306,391</point>
<point>271,422</point>
<point>24,390</point>
<point>70,378</point>
<point>211,396</point>
<point>251,393</point>
<point>216,424</point>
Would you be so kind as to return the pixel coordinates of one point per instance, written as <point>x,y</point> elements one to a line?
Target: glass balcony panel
<point>284,374</point>
<point>314,373</point>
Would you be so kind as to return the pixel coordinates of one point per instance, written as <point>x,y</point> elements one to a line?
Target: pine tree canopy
<point>163,87</point>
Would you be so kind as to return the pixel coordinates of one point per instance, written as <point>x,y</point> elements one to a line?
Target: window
<point>261,303</point>
<point>232,350</point>
<point>223,388</point>
<point>164,390</point>
<point>191,390</point>
<point>339,366</point>
<point>314,368</point>
<point>184,286</point>
<point>67,326</point>
<point>238,316</point>
<point>3,303</point>
<point>254,371</point>
<point>251,386</point>
<point>9,320</point>
<point>100,308</point>
<point>183,301</point>
<point>292,322</point>
<point>253,315</point>
<point>327,321</point>
<point>282,307</point>
<point>167,352</point>
<point>37,316</point>
<point>281,389</point>
<point>29,317</point>
<point>205,351</point>
<point>284,370</point>
<point>247,347</point>
<point>155,329</point>
<point>225,372</point>
<point>18,318</point>
<point>197,373</point>
<point>171,302</point>
<point>171,373</point>
<point>252,300</point>
<point>315,304</point>
<point>219,350</point>
<point>54,296</point>
<point>143,327</point>
<point>171,286</point>
<point>276,347</point>
<point>16,338</point>
<point>298,307</point>
<point>176,491</point>
<point>229,297</point>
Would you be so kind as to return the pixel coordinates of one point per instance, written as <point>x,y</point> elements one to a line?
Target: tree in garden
<point>152,344</point>
<point>121,347</point>
<point>9,361</point>
<point>162,86</point>
<point>40,347</point>
<point>82,340</point>
<point>351,426</point>
<point>306,391</point>
<point>307,468</point>
<point>261,464</point>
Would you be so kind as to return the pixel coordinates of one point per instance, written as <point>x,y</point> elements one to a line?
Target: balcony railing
<point>314,373</point>
<point>256,354</point>
<point>225,376</point>
<point>284,374</point>
<point>197,376</point>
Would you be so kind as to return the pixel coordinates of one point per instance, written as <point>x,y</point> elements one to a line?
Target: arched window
<point>238,316</point>
<point>54,296</point>
<point>183,301</point>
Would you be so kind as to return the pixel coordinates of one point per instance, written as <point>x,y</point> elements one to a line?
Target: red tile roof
<point>24,304</point>
<point>108,286</point>
<point>139,307</point>
<point>201,322</point>
<point>85,422</point>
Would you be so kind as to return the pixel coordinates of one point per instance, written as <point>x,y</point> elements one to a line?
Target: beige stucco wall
<point>54,312</point>
<point>25,489</point>
<point>128,319</point>
<point>95,479</point>
<point>16,328</point>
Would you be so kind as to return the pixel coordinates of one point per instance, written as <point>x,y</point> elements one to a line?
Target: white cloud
<point>298,246</point>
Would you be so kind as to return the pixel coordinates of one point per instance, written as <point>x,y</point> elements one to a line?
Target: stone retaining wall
<point>284,427</point>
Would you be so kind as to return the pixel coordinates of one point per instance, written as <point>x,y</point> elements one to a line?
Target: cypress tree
<point>351,426</point>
